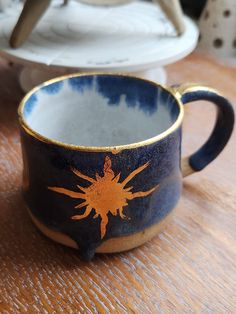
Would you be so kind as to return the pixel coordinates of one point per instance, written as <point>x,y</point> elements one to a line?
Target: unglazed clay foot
<point>113,245</point>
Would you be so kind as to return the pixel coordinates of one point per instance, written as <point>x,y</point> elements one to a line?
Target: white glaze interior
<point>87,119</point>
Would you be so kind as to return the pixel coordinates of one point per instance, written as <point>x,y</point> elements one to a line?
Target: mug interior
<point>100,110</point>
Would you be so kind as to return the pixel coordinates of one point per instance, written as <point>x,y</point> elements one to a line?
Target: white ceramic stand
<point>30,77</point>
<point>135,38</point>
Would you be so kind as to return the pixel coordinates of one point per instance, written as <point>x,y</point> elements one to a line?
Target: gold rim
<point>113,149</point>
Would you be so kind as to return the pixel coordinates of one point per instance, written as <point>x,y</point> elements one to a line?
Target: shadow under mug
<point>102,157</point>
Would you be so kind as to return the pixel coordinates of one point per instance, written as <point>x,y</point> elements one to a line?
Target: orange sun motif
<point>105,194</point>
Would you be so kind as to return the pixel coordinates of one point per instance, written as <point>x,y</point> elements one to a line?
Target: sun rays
<point>105,194</point>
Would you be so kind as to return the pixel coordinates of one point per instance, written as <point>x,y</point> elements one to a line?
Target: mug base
<point>113,245</point>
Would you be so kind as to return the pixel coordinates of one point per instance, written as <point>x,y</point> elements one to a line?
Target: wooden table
<point>189,268</point>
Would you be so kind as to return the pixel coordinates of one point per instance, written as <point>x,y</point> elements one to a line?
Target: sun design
<point>105,194</point>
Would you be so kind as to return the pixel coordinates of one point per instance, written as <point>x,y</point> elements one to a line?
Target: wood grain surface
<point>189,268</point>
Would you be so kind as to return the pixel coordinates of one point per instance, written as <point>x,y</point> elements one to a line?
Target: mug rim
<point>115,148</point>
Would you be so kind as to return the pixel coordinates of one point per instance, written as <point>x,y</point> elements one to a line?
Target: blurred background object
<point>174,13</point>
<point>4,4</point>
<point>193,8</point>
<point>136,38</point>
<point>33,11</point>
<point>218,29</point>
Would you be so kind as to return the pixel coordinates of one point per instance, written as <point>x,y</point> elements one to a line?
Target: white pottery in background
<point>105,2</point>
<point>218,29</point>
<point>30,77</point>
<point>136,38</point>
<point>5,3</point>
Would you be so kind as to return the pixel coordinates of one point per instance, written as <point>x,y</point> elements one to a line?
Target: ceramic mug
<point>102,157</point>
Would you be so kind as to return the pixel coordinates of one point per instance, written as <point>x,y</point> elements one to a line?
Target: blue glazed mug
<point>102,157</point>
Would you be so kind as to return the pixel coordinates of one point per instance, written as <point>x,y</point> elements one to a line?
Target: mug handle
<point>222,130</point>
